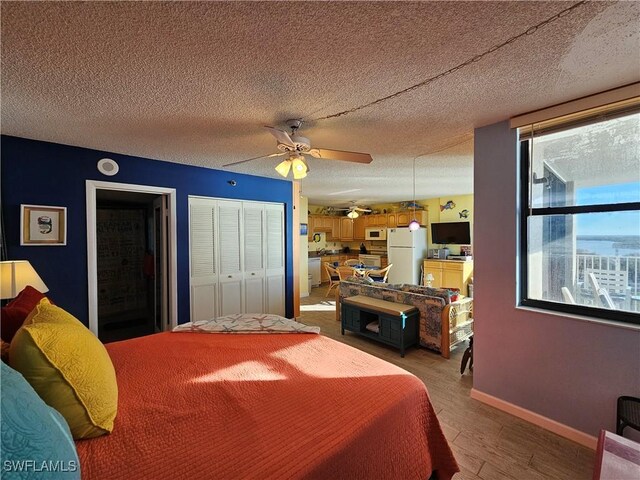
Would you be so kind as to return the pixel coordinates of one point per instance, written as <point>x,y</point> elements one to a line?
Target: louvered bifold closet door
<point>254,250</point>
<point>202,266</point>
<point>275,268</point>
<point>230,255</point>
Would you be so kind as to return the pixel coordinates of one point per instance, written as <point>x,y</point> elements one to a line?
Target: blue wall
<point>42,173</point>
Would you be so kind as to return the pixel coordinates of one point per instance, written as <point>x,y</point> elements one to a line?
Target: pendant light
<point>414,224</point>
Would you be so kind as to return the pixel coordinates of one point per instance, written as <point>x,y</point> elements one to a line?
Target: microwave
<point>375,233</point>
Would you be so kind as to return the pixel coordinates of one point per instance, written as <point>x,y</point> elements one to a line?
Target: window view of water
<point>619,246</point>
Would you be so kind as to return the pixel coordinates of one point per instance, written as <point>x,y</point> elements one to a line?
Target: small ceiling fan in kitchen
<point>353,211</point>
<point>294,147</point>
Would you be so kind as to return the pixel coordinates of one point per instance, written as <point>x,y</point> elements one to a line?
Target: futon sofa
<point>443,324</point>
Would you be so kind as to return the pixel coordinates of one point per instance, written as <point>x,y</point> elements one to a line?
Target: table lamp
<point>17,274</point>
<point>428,279</point>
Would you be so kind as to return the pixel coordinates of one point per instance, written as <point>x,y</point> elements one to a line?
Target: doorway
<point>131,255</point>
<point>131,264</point>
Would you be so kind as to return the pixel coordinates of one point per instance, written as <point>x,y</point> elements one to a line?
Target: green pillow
<point>36,440</point>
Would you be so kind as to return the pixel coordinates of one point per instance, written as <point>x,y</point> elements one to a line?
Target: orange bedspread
<point>264,406</point>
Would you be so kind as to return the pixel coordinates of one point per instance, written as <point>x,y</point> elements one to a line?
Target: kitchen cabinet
<point>404,218</point>
<point>450,274</point>
<point>334,231</point>
<point>378,220</point>
<point>359,225</point>
<point>346,229</point>
<point>311,225</point>
<point>392,220</point>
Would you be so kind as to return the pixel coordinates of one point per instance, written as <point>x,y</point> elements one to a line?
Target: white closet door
<point>203,267</point>
<point>275,261</point>
<point>230,255</point>
<point>254,248</point>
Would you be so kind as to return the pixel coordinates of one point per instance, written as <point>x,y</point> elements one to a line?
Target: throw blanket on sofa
<point>247,323</point>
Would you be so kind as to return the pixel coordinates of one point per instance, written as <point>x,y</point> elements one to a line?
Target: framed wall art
<point>43,225</point>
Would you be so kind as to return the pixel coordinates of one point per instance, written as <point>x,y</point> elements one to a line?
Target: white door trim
<point>92,247</point>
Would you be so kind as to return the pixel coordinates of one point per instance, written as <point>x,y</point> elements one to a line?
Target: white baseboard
<point>558,428</point>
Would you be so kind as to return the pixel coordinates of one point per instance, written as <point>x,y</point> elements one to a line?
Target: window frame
<point>526,212</point>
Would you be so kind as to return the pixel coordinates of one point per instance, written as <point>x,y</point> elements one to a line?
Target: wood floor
<point>487,443</point>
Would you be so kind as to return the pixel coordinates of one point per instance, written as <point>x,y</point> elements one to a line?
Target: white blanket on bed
<point>247,323</point>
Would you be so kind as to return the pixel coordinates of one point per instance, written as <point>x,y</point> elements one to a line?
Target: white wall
<point>565,369</point>
<point>304,247</point>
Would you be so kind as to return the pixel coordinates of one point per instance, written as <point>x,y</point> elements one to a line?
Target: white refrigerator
<point>406,250</point>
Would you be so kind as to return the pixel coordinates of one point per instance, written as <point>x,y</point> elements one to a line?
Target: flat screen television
<point>452,233</point>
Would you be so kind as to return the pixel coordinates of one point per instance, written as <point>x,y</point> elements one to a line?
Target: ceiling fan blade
<point>340,155</point>
<point>281,137</point>
<point>254,158</point>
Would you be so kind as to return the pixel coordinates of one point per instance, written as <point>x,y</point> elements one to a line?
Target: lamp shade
<point>284,167</point>
<point>17,274</point>
<point>300,168</point>
<point>353,214</point>
<point>414,225</point>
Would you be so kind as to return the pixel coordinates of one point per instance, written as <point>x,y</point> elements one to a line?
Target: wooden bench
<point>391,323</point>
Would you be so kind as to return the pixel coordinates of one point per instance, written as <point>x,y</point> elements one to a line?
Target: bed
<point>228,406</point>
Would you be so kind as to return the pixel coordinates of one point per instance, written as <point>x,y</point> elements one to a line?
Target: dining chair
<point>351,263</point>
<point>334,276</point>
<point>379,276</point>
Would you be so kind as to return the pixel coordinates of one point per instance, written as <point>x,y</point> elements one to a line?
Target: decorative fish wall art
<point>464,213</point>
<point>450,205</point>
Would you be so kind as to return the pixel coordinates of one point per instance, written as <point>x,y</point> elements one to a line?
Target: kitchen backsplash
<point>371,246</point>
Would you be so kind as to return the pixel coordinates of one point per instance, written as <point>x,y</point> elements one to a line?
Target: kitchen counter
<point>354,254</point>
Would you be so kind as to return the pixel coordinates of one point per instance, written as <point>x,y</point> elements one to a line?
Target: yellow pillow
<point>69,368</point>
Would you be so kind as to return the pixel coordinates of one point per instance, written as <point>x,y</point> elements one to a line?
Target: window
<point>580,216</point>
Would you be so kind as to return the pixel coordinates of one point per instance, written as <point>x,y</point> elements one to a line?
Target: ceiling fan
<point>352,211</point>
<point>295,146</point>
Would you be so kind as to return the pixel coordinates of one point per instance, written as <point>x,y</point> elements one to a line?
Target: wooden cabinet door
<point>358,228</point>
<point>403,219</point>
<point>435,269</point>
<point>346,229</point>
<point>311,225</point>
<point>392,220</point>
<point>336,224</point>
<point>452,279</point>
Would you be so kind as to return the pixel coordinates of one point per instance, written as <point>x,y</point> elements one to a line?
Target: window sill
<point>583,318</point>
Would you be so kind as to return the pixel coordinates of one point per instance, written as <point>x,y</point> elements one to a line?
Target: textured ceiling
<point>193,82</point>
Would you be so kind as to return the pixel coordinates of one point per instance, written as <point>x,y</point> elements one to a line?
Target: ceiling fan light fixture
<point>353,214</point>
<point>284,167</point>
<point>300,168</point>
